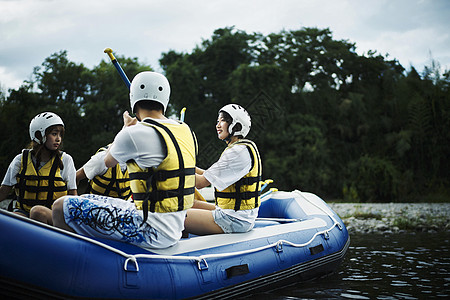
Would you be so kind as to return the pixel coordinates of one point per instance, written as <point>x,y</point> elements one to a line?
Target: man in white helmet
<point>236,177</point>
<point>160,155</point>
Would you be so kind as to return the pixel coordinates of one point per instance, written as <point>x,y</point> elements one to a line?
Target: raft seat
<point>264,223</point>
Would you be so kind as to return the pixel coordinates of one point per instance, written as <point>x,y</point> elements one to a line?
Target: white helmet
<point>41,122</point>
<point>239,116</point>
<point>149,86</point>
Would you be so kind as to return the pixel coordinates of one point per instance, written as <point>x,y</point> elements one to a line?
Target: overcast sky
<point>412,31</point>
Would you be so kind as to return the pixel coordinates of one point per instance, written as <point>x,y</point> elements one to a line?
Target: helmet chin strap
<point>227,139</point>
<point>229,136</point>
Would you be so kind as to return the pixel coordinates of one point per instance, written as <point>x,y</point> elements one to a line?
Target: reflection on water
<point>395,266</point>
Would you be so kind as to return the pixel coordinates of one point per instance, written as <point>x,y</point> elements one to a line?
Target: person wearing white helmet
<point>160,154</point>
<point>41,173</point>
<point>235,176</point>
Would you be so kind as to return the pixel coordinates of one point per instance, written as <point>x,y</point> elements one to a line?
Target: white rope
<point>278,219</point>
<point>330,216</point>
<point>202,258</point>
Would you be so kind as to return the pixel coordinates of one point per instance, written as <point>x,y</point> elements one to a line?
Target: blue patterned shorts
<point>111,218</point>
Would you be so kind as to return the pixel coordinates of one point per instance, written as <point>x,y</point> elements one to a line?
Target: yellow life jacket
<point>113,183</point>
<point>40,187</point>
<point>170,186</point>
<point>245,193</point>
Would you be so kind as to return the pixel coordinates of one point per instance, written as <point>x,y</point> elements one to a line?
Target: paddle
<point>265,183</point>
<point>118,67</point>
<point>124,77</point>
<point>197,194</point>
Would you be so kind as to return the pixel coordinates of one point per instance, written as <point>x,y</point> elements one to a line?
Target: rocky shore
<point>394,217</point>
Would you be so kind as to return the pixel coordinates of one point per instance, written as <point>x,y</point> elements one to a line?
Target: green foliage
<point>298,156</point>
<point>90,102</point>
<point>325,118</point>
<point>372,179</point>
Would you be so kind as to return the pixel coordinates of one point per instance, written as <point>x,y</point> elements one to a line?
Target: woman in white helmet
<point>235,176</point>
<point>160,155</point>
<point>42,173</point>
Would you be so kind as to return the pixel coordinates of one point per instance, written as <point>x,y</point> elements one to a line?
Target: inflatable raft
<point>297,238</point>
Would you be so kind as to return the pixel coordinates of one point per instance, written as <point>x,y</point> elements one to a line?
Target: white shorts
<point>230,224</point>
<point>111,218</point>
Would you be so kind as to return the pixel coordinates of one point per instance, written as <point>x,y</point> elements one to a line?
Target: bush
<point>371,179</point>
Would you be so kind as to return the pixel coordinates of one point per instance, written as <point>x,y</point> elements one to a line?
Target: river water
<point>393,266</point>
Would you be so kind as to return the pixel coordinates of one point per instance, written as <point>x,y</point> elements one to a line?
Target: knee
<point>57,211</point>
<point>58,204</point>
<point>41,213</point>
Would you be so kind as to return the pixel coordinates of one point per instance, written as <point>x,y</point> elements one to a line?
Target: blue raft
<point>297,238</point>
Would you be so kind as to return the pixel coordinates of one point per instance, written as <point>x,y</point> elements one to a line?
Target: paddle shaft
<point>127,82</point>
<point>118,67</point>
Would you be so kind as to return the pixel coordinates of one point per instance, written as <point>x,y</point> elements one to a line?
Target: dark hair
<point>227,118</point>
<point>36,149</point>
<point>149,105</point>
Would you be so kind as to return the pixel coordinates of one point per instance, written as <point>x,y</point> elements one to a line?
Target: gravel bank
<point>394,217</point>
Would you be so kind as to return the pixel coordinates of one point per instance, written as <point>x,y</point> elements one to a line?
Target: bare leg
<point>58,215</point>
<point>42,214</point>
<point>20,214</point>
<point>201,222</point>
<point>203,205</point>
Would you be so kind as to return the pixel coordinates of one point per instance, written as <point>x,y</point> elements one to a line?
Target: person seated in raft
<point>160,154</point>
<point>236,177</point>
<point>112,182</point>
<point>41,173</point>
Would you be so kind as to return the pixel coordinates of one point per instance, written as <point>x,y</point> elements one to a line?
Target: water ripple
<point>394,266</point>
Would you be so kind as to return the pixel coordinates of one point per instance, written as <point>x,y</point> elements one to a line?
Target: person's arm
<point>232,165</point>
<point>80,175</point>
<point>5,190</point>
<point>72,192</point>
<point>69,173</point>
<point>201,181</point>
<point>10,177</point>
<point>110,161</point>
<point>199,171</point>
<point>128,120</point>
<point>93,167</point>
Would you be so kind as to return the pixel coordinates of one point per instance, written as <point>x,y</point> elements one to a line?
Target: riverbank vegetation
<point>357,127</point>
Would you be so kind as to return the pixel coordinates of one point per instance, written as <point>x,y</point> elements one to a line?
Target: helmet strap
<point>228,138</point>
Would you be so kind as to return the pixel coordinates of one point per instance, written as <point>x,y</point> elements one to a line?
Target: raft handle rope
<point>134,260</point>
<point>205,264</point>
<point>329,215</point>
<point>201,260</point>
<point>280,220</point>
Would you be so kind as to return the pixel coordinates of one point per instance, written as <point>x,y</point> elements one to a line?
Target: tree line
<point>325,119</point>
